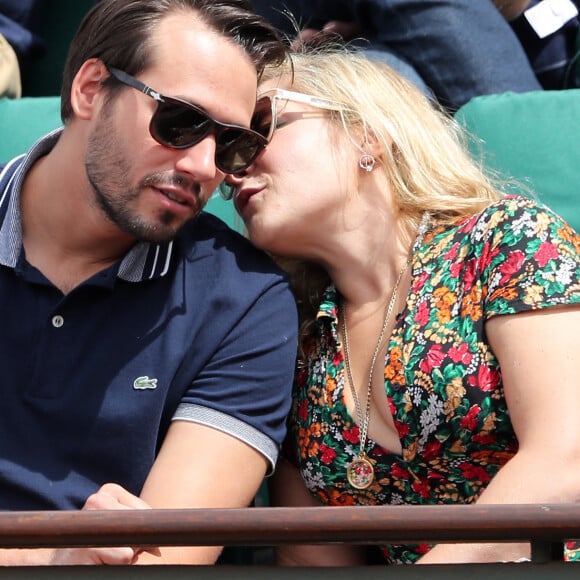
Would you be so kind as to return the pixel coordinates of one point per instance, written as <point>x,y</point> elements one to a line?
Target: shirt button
<point>57,321</point>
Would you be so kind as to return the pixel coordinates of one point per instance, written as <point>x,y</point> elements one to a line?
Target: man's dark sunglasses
<point>179,125</point>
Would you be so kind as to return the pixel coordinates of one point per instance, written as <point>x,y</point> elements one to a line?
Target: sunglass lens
<point>236,149</point>
<point>178,126</point>
<point>262,118</point>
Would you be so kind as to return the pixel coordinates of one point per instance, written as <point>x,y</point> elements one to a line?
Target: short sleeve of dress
<point>528,256</point>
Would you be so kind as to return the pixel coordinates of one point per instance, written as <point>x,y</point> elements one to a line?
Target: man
<point>148,349</point>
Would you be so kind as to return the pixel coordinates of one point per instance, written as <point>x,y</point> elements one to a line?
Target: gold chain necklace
<point>360,472</point>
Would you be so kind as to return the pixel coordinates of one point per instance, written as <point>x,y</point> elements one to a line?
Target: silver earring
<point>367,162</point>
<point>225,190</point>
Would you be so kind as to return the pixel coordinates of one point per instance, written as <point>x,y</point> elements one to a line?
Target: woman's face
<point>295,193</point>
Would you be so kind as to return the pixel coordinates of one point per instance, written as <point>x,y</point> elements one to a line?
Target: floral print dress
<point>442,380</point>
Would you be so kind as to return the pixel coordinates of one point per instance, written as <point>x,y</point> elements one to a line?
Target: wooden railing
<point>547,527</point>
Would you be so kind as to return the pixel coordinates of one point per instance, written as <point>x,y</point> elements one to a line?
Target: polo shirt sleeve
<point>244,386</point>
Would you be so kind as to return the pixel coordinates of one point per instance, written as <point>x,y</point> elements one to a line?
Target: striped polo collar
<point>144,261</point>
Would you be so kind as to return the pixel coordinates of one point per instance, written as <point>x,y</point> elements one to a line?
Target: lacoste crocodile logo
<point>143,383</point>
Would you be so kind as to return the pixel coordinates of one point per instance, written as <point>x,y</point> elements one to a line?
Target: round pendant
<point>360,473</point>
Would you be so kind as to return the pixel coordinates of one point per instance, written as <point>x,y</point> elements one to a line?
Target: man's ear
<point>87,87</point>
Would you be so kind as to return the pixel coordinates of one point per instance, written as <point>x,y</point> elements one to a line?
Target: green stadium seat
<point>534,138</point>
<point>24,120</point>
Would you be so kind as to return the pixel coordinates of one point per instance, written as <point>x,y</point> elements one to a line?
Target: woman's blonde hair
<point>425,150</point>
<point>426,156</point>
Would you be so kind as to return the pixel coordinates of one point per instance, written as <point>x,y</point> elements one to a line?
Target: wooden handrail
<point>266,526</point>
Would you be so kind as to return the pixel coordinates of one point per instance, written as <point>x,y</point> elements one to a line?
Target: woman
<point>440,320</point>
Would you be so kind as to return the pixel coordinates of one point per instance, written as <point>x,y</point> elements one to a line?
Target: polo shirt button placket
<point>57,321</point>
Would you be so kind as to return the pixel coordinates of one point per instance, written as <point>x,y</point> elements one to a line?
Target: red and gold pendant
<point>360,472</point>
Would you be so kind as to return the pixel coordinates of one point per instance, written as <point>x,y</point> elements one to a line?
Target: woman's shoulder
<point>517,208</point>
<point>511,223</point>
<point>518,217</point>
<point>514,214</point>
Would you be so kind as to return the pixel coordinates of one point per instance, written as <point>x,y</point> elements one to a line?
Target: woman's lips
<point>242,197</point>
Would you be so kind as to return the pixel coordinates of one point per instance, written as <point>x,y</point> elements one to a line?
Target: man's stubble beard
<point>108,170</point>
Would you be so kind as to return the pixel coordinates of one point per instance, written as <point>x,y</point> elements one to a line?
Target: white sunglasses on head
<point>265,115</point>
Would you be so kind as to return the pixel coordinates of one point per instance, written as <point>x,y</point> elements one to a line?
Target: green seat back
<point>534,138</point>
<point>23,121</point>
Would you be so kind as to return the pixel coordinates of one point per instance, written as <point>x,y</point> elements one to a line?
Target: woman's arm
<point>287,489</point>
<point>539,355</point>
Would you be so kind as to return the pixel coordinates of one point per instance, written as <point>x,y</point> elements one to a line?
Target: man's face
<point>147,190</point>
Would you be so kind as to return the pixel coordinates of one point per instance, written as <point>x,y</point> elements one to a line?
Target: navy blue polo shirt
<point>201,329</point>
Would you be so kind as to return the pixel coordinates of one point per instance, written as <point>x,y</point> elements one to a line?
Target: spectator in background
<point>23,24</point>
<point>319,21</point>
<point>457,49</point>
<point>10,84</point>
<point>549,32</point>
<point>20,22</point>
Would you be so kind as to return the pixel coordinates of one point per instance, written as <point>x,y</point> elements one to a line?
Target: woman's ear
<point>371,150</point>
<point>370,145</point>
<point>87,86</point>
